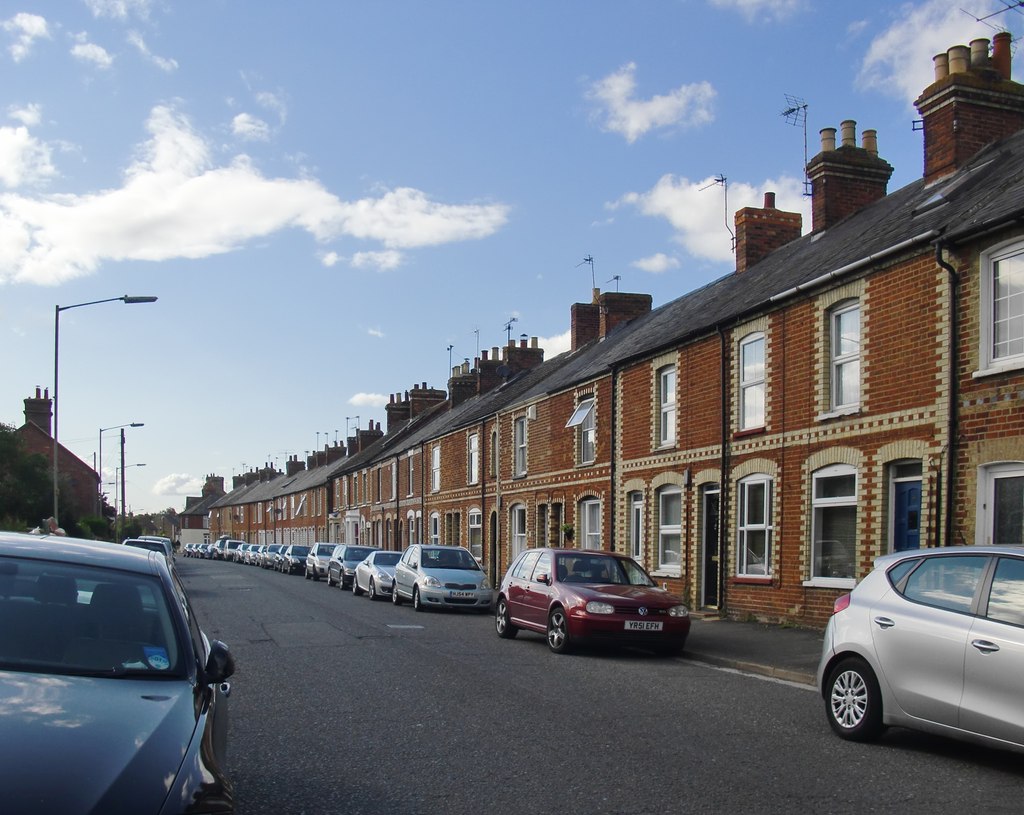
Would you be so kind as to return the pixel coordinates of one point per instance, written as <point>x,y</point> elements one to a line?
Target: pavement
<point>781,652</point>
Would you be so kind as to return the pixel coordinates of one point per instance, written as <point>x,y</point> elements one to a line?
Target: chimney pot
<point>941,65</point>
<point>959,59</point>
<point>828,139</point>
<point>848,133</point>
<point>979,53</point>
<point>869,141</point>
<point>1001,53</point>
<point>769,200</point>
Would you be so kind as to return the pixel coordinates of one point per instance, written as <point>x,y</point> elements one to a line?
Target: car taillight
<point>841,604</point>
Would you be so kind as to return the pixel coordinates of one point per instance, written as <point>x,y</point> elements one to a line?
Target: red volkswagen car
<point>573,596</point>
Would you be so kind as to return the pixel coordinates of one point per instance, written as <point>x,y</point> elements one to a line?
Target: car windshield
<point>357,553</point>
<point>153,546</point>
<point>583,568</point>
<point>449,558</point>
<point>300,551</point>
<point>386,558</point>
<point>64,618</point>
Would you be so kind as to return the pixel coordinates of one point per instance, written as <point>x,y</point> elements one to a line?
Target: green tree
<point>26,489</point>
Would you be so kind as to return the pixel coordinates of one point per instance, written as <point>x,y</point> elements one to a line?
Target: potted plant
<point>568,532</point>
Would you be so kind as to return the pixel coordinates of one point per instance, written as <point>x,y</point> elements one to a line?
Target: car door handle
<point>985,646</point>
<point>884,622</point>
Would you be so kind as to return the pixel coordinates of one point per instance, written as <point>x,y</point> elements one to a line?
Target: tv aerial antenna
<point>616,278</point>
<point>1008,5</point>
<point>508,329</point>
<point>589,259</point>
<point>796,115</point>
<point>721,181</point>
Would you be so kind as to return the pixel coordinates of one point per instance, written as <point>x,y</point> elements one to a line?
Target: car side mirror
<point>220,664</point>
<point>544,578</point>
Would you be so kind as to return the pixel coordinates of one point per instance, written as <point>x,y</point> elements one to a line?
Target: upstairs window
<point>1002,322</point>
<point>473,457</point>
<point>845,354</point>
<point>583,420</point>
<point>435,468</point>
<point>667,405</point>
<point>752,382</point>
<point>519,441</point>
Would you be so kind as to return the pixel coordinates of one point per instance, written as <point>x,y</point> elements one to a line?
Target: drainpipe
<point>723,497</point>
<point>953,429</point>
<point>613,496</point>
<point>397,539</point>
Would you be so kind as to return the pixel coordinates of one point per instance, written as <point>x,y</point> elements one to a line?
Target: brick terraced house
<point>755,443</point>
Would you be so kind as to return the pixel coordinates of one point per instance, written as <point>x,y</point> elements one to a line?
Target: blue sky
<point>325,196</point>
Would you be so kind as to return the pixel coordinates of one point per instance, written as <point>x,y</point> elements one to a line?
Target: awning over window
<point>580,414</point>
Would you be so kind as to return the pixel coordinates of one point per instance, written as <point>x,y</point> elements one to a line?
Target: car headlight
<point>596,607</point>
<point>431,581</point>
<point>381,577</point>
<point>679,611</point>
<point>485,584</point>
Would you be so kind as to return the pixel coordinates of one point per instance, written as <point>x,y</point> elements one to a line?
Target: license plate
<point>460,595</point>
<point>642,625</point>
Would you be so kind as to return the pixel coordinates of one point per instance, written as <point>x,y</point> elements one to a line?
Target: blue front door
<point>906,527</point>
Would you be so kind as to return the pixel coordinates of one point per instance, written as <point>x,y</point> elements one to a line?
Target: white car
<point>441,577</point>
<point>376,574</point>
<point>316,560</point>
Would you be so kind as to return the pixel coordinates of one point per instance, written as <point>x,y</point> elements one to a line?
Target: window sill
<point>750,431</point>
<point>830,583</point>
<point>667,573</point>
<point>1010,366</point>
<point>838,414</point>
<point>745,580</point>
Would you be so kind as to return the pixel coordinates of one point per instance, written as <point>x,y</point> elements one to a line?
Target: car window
<point>946,582</point>
<point>901,570</point>
<point>66,618</point>
<point>449,557</point>
<point>543,566</point>
<point>1006,599</point>
<point>300,551</point>
<point>386,558</point>
<point>357,552</point>
<point>525,566</point>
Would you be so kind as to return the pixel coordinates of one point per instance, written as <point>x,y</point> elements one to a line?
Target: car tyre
<point>395,598</point>
<point>417,603</point>
<point>355,587</point>
<point>330,582</point>
<point>503,621</point>
<point>558,631</point>
<point>306,573</point>
<point>371,590</point>
<point>853,701</point>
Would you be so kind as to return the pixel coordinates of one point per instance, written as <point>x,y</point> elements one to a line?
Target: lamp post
<point>99,466</point>
<point>119,525</point>
<point>128,299</point>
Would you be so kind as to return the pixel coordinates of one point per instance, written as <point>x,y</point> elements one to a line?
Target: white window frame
<point>584,421</point>
<point>988,477</point>
<point>412,473</point>
<point>636,526</point>
<point>989,360</point>
<point>519,436</point>
<point>821,504</point>
<point>746,528</point>
<point>590,523</point>
<point>670,530</point>
<point>752,382</point>
<point>435,468</point>
<point>840,360</point>
<point>476,533</point>
<point>473,459</point>
<point>517,529</point>
<point>667,406</point>
<point>435,529</point>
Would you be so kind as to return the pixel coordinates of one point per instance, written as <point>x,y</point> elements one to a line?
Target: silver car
<point>441,577</point>
<point>316,560</point>
<point>931,639</point>
<point>375,574</point>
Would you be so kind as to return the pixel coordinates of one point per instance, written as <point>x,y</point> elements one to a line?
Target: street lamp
<point>99,466</point>
<point>119,525</point>
<point>128,299</point>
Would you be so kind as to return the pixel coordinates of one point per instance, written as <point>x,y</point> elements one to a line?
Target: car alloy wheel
<point>371,590</point>
<point>853,701</point>
<point>417,603</point>
<point>355,587</point>
<point>395,599</point>
<point>307,575</point>
<point>503,621</point>
<point>558,632</point>
<point>329,581</point>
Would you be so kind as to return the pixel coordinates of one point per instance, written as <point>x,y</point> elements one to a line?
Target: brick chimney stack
<point>214,486</point>
<point>621,307</point>
<point>463,384</point>
<point>293,465</point>
<point>397,411</point>
<point>759,232</point>
<point>972,103</point>
<point>487,367</point>
<point>847,178</point>
<point>585,321</point>
<point>39,411</point>
<point>521,357</point>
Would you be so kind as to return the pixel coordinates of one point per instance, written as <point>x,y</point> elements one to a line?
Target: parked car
<point>375,574</point>
<point>317,559</point>
<point>441,577</point>
<point>224,548</point>
<point>133,693</point>
<point>162,539</point>
<point>573,596</point>
<point>293,559</point>
<point>343,561</point>
<point>931,639</point>
<point>256,555</point>
<point>152,545</point>
<point>272,555</point>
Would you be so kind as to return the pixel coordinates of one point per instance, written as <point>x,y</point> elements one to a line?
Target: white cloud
<point>86,51</point>
<point>273,102</point>
<point>26,28</point>
<point>656,264</point>
<point>173,203</point>
<point>30,115</point>
<point>23,158</point>
<point>368,400</point>
<point>761,9</point>
<point>699,222</point>
<point>178,484</point>
<point>899,60</point>
<point>119,9</point>
<point>558,344</point>
<point>163,63</point>
<point>375,332</point>
<point>381,261</point>
<point>248,128</point>
<point>687,105</point>
<point>330,259</point>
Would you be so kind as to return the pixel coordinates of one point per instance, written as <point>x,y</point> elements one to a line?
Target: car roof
<point>894,557</point>
<point>60,549</point>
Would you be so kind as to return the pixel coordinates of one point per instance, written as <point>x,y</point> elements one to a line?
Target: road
<point>342,705</point>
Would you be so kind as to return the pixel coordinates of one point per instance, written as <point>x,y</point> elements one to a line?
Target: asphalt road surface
<point>343,705</point>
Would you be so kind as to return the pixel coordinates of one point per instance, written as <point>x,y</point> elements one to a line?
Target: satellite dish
<point>504,371</point>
